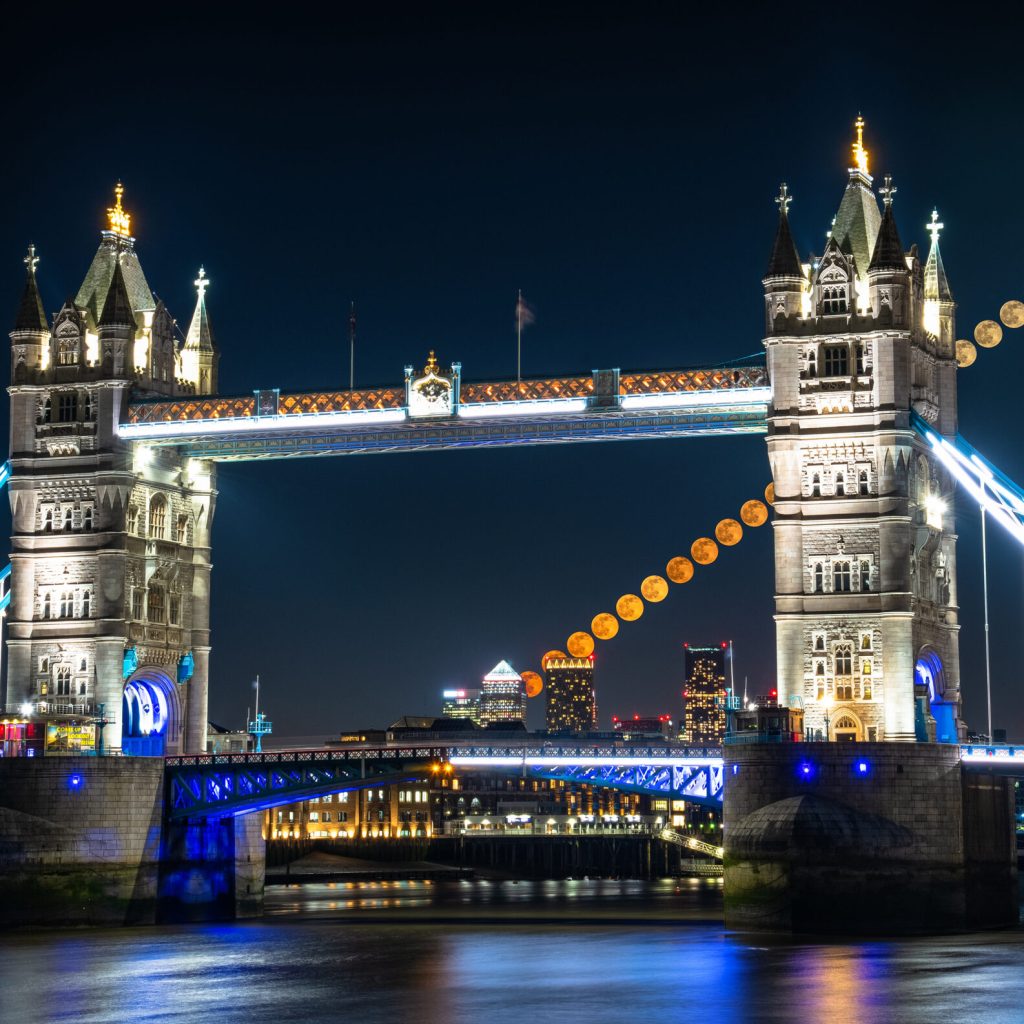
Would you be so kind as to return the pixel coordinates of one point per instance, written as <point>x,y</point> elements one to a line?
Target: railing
<point>671,836</point>
<point>43,707</point>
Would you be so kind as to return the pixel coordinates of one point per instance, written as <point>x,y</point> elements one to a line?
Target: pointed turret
<point>888,251</point>
<point>31,333</point>
<point>888,274</point>
<point>784,280</point>
<point>117,327</point>
<point>857,220</point>
<point>939,307</point>
<point>31,315</point>
<point>199,354</point>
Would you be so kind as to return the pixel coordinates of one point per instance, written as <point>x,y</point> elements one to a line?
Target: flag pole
<point>352,347</point>
<point>519,337</point>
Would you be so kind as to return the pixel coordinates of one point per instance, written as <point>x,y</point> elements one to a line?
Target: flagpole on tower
<point>519,337</point>
<point>352,347</point>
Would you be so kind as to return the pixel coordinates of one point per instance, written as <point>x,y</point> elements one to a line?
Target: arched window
<point>833,300</point>
<point>45,411</point>
<point>83,665</point>
<point>63,680</point>
<point>859,353</point>
<point>819,643</point>
<point>46,606</point>
<point>48,521</point>
<point>67,352</point>
<point>67,604</point>
<point>86,605</point>
<point>132,522</point>
<point>155,611</point>
<point>865,641</point>
<point>69,519</point>
<point>816,486</point>
<point>865,576</point>
<point>86,518</point>
<point>844,672</point>
<point>181,529</point>
<point>841,577</point>
<point>89,406</point>
<point>819,669</point>
<point>812,363</point>
<point>862,482</point>
<point>840,484</point>
<point>158,517</point>
<point>819,578</point>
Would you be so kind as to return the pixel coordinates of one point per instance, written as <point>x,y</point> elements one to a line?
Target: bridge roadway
<point>606,405</point>
<point>216,785</point>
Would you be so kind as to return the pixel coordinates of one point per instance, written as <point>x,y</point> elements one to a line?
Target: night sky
<point>620,169</point>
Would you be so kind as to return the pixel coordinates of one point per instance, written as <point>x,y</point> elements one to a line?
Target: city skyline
<point>436,263</point>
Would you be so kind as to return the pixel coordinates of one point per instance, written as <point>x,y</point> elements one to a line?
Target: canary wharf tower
<point>110,554</point>
<point>860,340</point>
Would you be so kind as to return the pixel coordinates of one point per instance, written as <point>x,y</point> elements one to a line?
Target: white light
<point>934,509</point>
<point>257,424</point>
<point>699,399</point>
<point>539,406</point>
<point>26,709</point>
<point>498,761</point>
<point>143,458</point>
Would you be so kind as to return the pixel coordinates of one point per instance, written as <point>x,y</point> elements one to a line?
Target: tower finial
<point>31,260</point>
<point>934,227</point>
<point>860,154</point>
<point>202,282</point>
<point>431,366</point>
<point>783,199</point>
<point>120,222</point>
<point>887,191</point>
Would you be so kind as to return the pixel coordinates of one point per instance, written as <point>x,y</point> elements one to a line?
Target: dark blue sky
<point>620,169</point>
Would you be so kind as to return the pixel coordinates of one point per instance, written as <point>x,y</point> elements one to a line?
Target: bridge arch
<point>930,676</point>
<point>151,718</point>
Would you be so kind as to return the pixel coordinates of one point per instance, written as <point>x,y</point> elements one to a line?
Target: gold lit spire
<point>860,154</point>
<point>431,366</point>
<point>120,222</point>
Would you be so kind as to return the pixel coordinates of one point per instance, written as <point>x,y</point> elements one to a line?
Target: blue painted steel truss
<point>698,783</point>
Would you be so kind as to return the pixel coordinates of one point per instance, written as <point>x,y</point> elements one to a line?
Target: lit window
<point>833,301</point>
<point>844,661</point>
<point>158,517</point>
<point>132,524</point>
<point>181,529</point>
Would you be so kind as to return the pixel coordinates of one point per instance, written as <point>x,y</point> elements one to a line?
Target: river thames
<point>479,951</point>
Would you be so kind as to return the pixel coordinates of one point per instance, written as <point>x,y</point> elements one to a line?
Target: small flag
<point>524,314</point>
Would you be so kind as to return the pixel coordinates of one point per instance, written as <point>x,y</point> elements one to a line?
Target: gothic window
<point>90,407</point>
<point>67,352</point>
<point>865,576</point>
<point>67,407</point>
<point>837,361</point>
<point>158,517</point>
<point>69,519</point>
<point>48,521</point>
<point>819,669</point>
<point>844,660</point>
<point>812,363</point>
<point>67,604</point>
<point>840,484</point>
<point>833,300</point>
<point>819,642</point>
<point>865,641</point>
<point>43,413</point>
<point>174,609</point>
<point>859,353</point>
<point>63,680</point>
<point>132,524</point>
<point>156,605</point>
<point>862,482</point>
<point>46,606</point>
<point>841,577</point>
<point>87,518</point>
<point>83,665</point>
<point>181,529</point>
<point>867,683</point>
<point>44,664</point>
<point>81,688</point>
<point>819,580</point>
<point>137,604</point>
<point>816,485</point>
<point>86,604</point>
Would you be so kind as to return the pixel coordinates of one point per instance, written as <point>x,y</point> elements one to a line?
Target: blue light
<point>75,781</point>
<point>805,769</point>
<point>862,767</point>
<point>735,769</point>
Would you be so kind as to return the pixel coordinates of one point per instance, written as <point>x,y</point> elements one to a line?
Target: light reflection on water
<point>601,951</point>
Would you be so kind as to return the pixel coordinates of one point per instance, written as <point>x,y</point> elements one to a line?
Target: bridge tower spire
<point>865,605</point>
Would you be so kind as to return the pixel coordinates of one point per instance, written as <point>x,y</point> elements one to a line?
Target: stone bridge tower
<point>858,340</point>
<point>110,553</point>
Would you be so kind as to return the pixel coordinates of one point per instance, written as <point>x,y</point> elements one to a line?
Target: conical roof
<point>857,221</point>
<point>200,337</point>
<point>888,253</point>
<point>503,670</point>
<point>785,260</point>
<point>936,286</point>
<point>31,314</point>
<point>114,250</point>
<point>117,306</point>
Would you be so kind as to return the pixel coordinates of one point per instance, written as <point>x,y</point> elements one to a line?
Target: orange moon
<point>552,656</point>
<point>580,645</point>
<point>654,589</point>
<point>729,532</point>
<point>754,513</point>
<point>988,334</point>
<point>679,569</point>
<point>769,494</point>
<point>1012,313</point>
<point>629,607</point>
<point>534,683</point>
<point>966,353</point>
<point>704,550</point>
<point>605,626</point>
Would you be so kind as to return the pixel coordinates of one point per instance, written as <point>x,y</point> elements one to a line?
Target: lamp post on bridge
<point>827,705</point>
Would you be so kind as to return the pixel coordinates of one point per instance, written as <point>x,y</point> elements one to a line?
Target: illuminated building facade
<point>461,704</point>
<point>502,697</point>
<point>704,694</point>
<point>110,545</point>
<point>859,340</point>
<point>571,695</point>
<point>640,726</point>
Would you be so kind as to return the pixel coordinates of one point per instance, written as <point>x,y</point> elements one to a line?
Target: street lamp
<point>827,704</point>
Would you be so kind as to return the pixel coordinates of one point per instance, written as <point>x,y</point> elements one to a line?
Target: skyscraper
<point>461,704</point>
<point>704,695</point>
<point>572,699</point>
<point>503,698</point>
